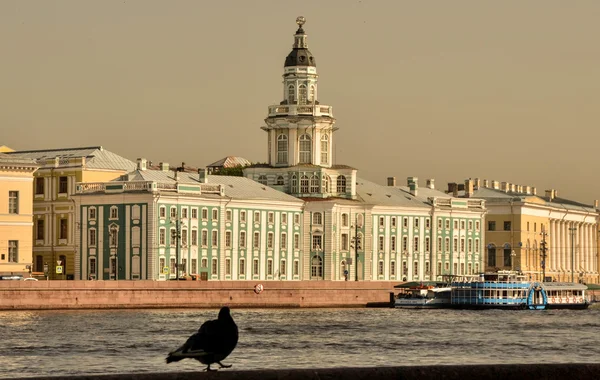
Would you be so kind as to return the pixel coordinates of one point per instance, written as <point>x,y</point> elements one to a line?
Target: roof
<point>498,196</point>
<point>6,159</point>
<point>372,193</point>
<point>230,162</point>
<point>96,157</point>
<point>235,187</point>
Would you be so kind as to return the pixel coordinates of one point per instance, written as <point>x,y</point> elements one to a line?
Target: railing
<point>303,109</point>
<point>149,186</point>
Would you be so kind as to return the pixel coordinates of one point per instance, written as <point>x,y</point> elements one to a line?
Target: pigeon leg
<point>207,369</point>
<point>223,365</point>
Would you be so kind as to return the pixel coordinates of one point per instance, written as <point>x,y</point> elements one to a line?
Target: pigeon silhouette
<point>213,342</point>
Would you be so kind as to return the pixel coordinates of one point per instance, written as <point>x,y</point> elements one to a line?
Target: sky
<point>450,90</point>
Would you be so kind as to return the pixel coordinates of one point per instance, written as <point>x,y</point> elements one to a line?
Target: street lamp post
<point>512,260</point>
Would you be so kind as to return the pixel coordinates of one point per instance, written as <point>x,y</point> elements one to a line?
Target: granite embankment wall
<point>447,372</point>
<point>36,295</point>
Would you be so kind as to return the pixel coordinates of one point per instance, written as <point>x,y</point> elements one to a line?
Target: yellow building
<point>519,222</point>
<point>16,214</point>
<point>53,207</point>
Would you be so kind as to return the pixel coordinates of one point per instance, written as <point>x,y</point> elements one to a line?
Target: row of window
<point>313,185</point>
<point>193,269</point>
<point>304,151</point>
<point>302,94</point>
<point>427,248</point>
<point>162,239</point>
<point>63,229</point>
<point>228,215</point>
<point>441,223</point>
<point>470,268</point>
<point>63,185</point>
<point>507,226</point>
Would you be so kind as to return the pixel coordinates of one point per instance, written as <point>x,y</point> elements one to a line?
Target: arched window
<point>280,180</point>
<point>359,220</point>
<point>316,267</point>
<point>262,179</point>
<point>304,184</point>
<point>344,220</point>
<point>302,94</point>
<point>311,94</point>
<point>282,149</point>
<point>314,184</point>
<point>291,94</point>
<point>325,182</point>
<point>305,149</point>
<point>324,149</point>
<point>113,236</point>
<point>294,184</point>
<point>491,253</point>
<point>317,218</point>
<point>506,255</point>
<point>341,184</point>
<point>114,212</point>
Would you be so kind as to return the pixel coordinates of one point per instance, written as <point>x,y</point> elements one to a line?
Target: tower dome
<point>300,55</point>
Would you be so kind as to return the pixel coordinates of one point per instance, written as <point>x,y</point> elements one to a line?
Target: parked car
<point>16,277</point>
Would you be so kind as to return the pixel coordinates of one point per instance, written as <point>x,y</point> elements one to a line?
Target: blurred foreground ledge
<point>446,372</point>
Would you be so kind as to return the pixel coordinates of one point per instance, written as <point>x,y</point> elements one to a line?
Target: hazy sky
<point>502,90</point>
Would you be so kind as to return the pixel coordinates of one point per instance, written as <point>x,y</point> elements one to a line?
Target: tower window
<point>291,93</point>
<point>324,149</point>
<point>304,184</point>
<point>302,94</point>
<point>305,149</point>
<point>282,149</point>
<point>311,94</point>
<point>341,184</point>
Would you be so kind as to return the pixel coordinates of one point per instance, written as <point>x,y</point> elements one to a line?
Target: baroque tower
<point>300,134</point>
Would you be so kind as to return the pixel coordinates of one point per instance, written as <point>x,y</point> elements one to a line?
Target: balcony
<point>301,109</point>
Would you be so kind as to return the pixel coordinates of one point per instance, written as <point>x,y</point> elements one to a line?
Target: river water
<point>35,343</point>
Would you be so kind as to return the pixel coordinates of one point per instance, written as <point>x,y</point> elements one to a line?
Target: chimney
<point>202,176</point>
<point>164,166</point>
<point>476,184</point>
<point>504,186</point>
<point>495,185</point>
<point>527,189</point>
<point>486,183</point>
<point>550,194</point>
<point>533,191</point>
<point>413,185</point>
<point>468,188</point>
<point>142,164</point>
<point>176,174</point>
<point>391,181</point>
<point>431,183</point>
<point>596,204</point>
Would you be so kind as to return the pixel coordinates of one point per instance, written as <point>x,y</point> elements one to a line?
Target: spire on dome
<point>300,55</point>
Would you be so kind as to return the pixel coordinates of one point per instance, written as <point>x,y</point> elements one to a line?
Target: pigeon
<point>213,342</point>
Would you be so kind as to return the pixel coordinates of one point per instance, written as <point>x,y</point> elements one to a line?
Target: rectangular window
<point>381,221</point>
<point>476,245</point>
<point>269,267</point>
<point>317,243</point>
<point>393,244</point>
<point>162,212</point>
<point>204,238</point>
<point>172,266</point>
<point>296,219</point>
<point>256,217</point>
<point>283,240</point>
<point>455,245</point>
<point>416,222</point>
<point>63,185</point>
<point>228,266</point>
<point>470,245</point>
<point>427,223</point>
<point>39,186</point>
<point>184,237</point>
<point>416,269</point>
<point>243,216</point>
<point>344,242</point>
<point>296,267</point>
<point>534,227</point>
<point>40,229</point>
<point>283,218</point>
<point>270,240</point>
<point>447,249</point>
<point>13,202</point>
<point>162,236</point>
<point>64,229</point>
<point>214,238</point>
<point>255,267</point>
<point>194,213</point>
<point>491,226</point>
<point>242,239</point>
<point>194,237</point>
<point>296,241</point>
<point>392,268</point>
<point>204,214</point>
<point>282,268</point>
<point>506,226</point>
<point>92,213</point>
<point>173,240</point>
<point>380,268</point>
<point>456,224</point>
<point>228,216</point>
<point>194,268</point>
<point>477,225</point>
<point>13,251</point>
<point>439,223</point>
<point>405,243</point>
<point>462,244</point>
<point>381,243</point>
<point>271,217</point>
<point>92,238</point>
<point>527,226</point>
<point>447,224</point>
<point>215,215</point>
<point>427,244</point>
<point>427,267</point>
<point>256,242</point>
<point>204,262</point>
<point>214,267</point>
<point>393,221</point>
<point>227,239</point>
<point>470,225</point>
<point>317,218</point>
<point>242,269</point>
<point>416,245</point>
<point>405,222</point>
<point>462,224</point>
<point>184,213</point>
<point>439,244</point>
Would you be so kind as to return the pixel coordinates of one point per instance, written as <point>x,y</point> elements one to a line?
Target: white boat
<point>565,295</point>
<point>423,297</point>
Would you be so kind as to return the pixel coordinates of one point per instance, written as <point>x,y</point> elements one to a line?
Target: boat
<point>422,296</point>
<point>511,290</point>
